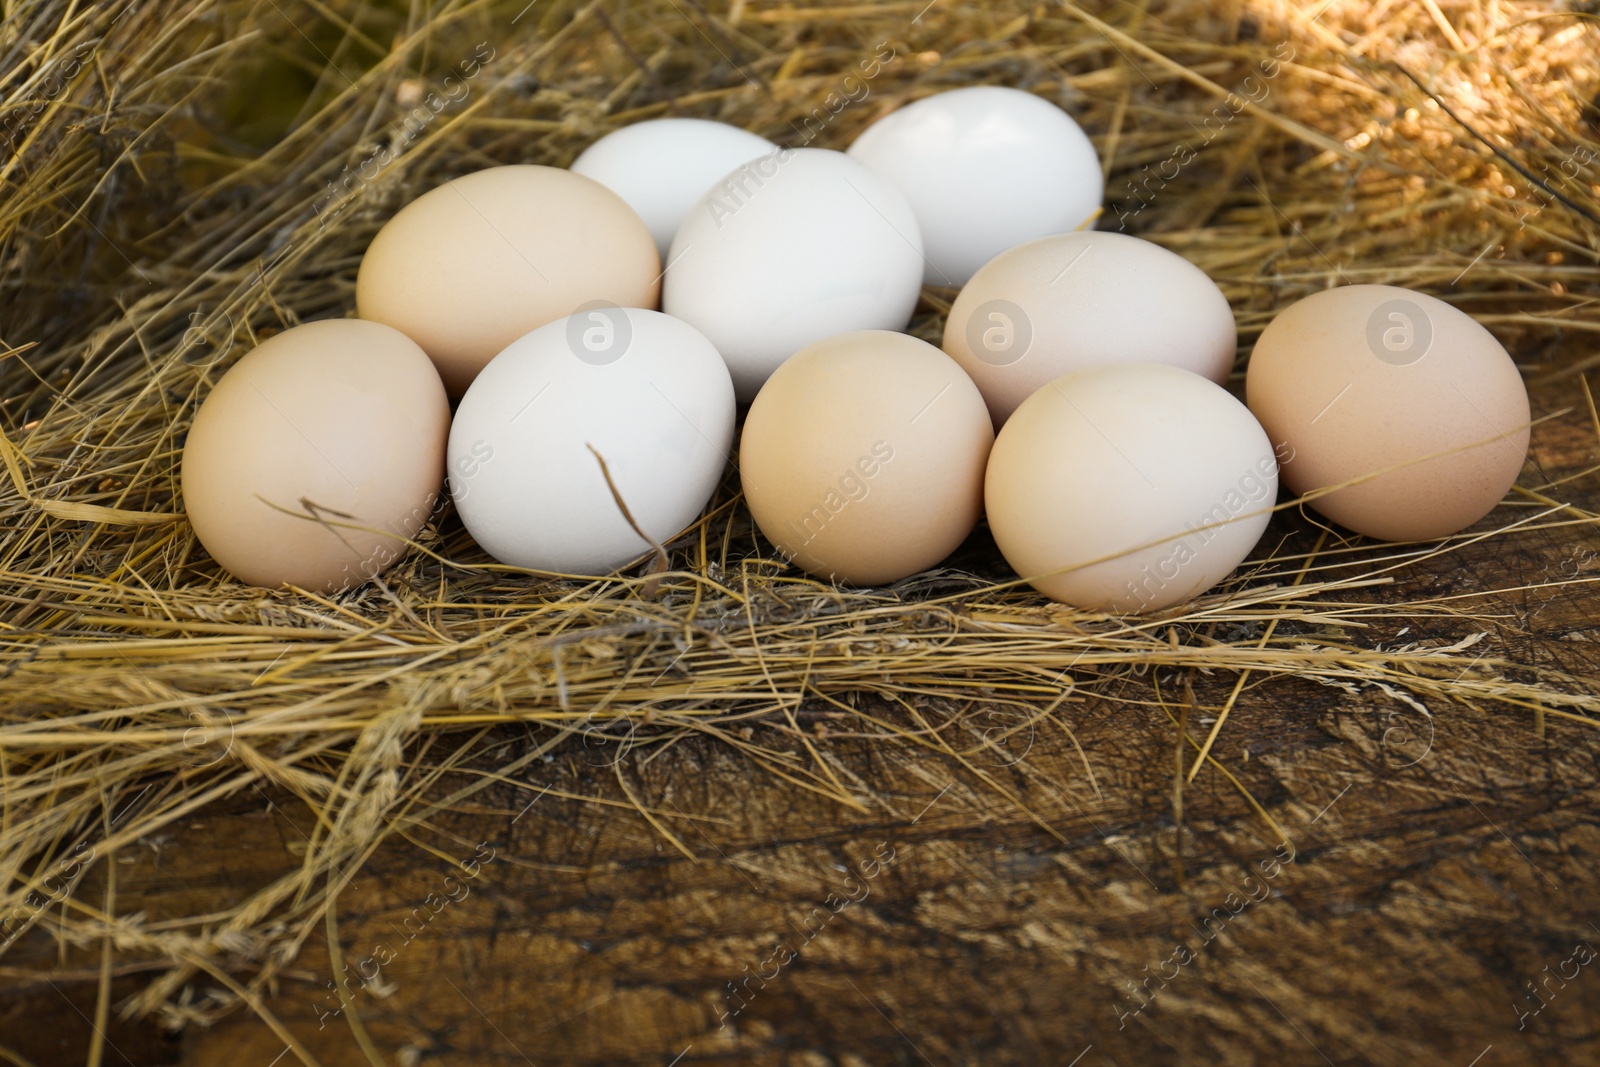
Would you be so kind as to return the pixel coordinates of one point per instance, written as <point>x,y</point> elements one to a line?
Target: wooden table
<point>1434,882</point>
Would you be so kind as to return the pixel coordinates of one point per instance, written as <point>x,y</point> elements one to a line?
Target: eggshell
<point>862,458</point>
<point>985,169</point>
<point>1079,300</point>
<point>664,166</point>
<point>338,421</point>
<point>645,391</point>
<point>470,266</point>
<point>1129,487</point>
<point>1399,393</point>
<point>797,246</point>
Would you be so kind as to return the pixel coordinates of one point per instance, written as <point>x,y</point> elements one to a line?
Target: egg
<point>317,456</point>
<point>642,393</point>
<point>664,166</point>
<point>1129,487</point>
<point>985,168</point>
<point>1405,401</point>
<point>470,266</point>
<point>862,457</point>
<point>1079,300</point>
<point>795,247</point>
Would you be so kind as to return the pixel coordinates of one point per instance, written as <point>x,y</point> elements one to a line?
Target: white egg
<point>645,392</point>
<point>792,248</point>
<point>1130,487</point>
<point>985,168</point>
<point>664,166</point>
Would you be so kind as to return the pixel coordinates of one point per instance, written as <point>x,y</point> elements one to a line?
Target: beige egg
<point>1129,487</point>
<point>1402,395</point>
<point>469,267</point>
<point>862,457</point>
<point>1078,300</point>
<point>340,421</point>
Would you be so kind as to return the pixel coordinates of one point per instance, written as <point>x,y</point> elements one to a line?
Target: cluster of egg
<point>1077,400</point>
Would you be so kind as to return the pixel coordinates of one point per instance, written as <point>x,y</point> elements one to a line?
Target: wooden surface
<point>1437,870</point>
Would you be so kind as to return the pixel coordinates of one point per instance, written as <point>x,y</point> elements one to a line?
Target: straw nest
<point>185,178</point>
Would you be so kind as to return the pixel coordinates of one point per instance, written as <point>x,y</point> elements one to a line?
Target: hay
<point>164,211</point>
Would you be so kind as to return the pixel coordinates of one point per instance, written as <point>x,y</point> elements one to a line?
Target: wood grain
<point>1438,868</point>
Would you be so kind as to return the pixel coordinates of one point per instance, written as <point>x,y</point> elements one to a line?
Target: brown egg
<point>340,421</point>
<point>1129,487</point>
<point>863,455</point>
<point>1072,301</point>
<point>1398,393</point>
<point>469,267</point>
